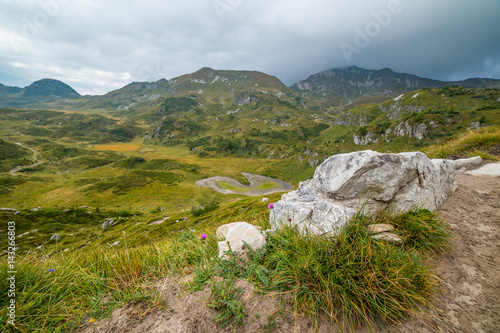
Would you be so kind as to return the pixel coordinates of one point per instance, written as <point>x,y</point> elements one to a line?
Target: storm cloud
<point>98,46</point>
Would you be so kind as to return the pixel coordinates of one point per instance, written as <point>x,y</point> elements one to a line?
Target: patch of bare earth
<point>469,278</point>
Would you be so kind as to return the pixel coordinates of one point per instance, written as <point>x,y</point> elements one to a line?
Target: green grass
<point>350,278</point>
<point>266,186</point>
<point>260,187</point>
<point>472,143</point>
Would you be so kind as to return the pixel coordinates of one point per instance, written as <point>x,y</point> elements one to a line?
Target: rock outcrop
<point>344,182</point>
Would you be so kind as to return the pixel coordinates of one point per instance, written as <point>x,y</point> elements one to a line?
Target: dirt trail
<point>469,278</point>
<point>13,171</point>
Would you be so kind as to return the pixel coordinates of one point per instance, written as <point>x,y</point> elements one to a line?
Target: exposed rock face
<point>236,235</point>
<point>244,99</point>
<point>405,129</point>
<point>345,181</point>
<point>352,120</point>
<point>364,140</point>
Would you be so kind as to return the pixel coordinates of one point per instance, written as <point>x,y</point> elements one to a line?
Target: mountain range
<point>331,88</point>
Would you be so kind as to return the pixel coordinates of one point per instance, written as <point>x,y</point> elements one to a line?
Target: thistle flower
<point>185,219</point>
<point>271,205</point>
<point>203,236</point>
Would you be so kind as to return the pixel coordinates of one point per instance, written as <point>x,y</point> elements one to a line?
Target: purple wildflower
<point>52,270</point>
<point>203,236</point>
<point>185,219</point>
<point>271,205</point>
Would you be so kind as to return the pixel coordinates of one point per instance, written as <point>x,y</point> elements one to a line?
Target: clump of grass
<point>224,299</point>
<point>421,230</point>
<point>471,143</point>
<point>351,277</point>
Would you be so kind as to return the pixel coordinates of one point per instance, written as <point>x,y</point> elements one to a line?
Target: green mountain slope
<point>353,85</point>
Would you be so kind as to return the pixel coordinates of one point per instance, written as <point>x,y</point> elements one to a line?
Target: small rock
<point>467,163</point>
<point>55,237</point>
<point>107,222</point>
<point>374,229</point>
<point>265,199</point>
<point>221,232</point>
<point>239,234</point>
<point>389,237</point>
<point>482,192</point>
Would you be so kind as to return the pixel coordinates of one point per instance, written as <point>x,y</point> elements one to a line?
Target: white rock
<point>107,222</point>
<point>221,232</point>
<point>239,234</point>
<point>344,182</point>
<point>374,229</point>
<point>265,199</point>
<point>467,163</point>
<point>388,237</point>
<point>55,237</point>
<point>492,170</point>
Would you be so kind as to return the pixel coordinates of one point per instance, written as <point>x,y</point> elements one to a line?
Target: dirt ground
<point>469,278</point>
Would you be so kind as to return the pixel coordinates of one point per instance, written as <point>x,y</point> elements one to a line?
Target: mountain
<point>7,90</point>
<point>40,94</point>
<point>223,89</point>
<point>212,88</point>
<point>50,87</point>
<point>354,85</point>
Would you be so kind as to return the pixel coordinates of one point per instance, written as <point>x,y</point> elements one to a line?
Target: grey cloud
<point>100,46</point>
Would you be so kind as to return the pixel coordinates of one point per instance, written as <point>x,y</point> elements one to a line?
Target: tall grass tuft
<point>421,230</point>
<point>351,277</point>
<point>471,143</point>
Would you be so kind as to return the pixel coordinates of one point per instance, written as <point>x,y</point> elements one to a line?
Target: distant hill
<point>346,87</point>
<point>39,94</point>
<point>6,90</point>
<point>354,85</point>
<point>49,87</point>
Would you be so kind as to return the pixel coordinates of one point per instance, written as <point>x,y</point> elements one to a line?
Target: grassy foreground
<point>351,278</point>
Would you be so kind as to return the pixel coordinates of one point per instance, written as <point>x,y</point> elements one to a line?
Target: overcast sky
<point>100,45</point>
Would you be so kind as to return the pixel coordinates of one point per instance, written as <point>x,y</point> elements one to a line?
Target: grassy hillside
<point>143,184</point>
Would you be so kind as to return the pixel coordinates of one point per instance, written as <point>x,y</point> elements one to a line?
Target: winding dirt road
<point>13,172</point>
<point>252,189</point>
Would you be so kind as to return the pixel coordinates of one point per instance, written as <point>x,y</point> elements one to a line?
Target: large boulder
<point>345,182</point>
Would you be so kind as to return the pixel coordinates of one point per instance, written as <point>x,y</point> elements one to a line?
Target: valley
<point>132,168</point>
